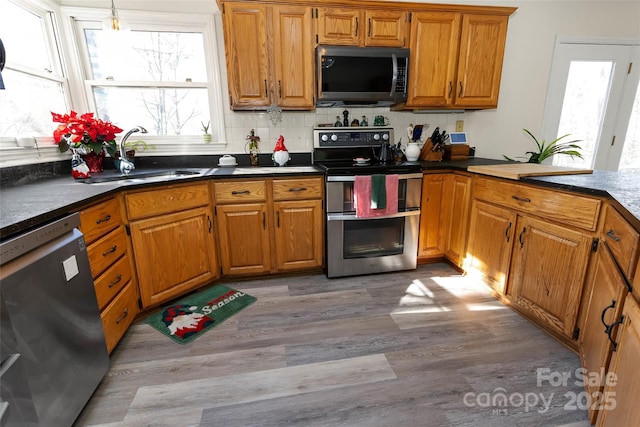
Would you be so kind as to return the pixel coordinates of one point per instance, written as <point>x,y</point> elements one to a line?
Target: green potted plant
<point>132,146</point>
<point>205,132</point>
<point>546,150</point>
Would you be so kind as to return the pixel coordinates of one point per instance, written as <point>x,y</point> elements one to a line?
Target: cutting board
<point>518,170</point>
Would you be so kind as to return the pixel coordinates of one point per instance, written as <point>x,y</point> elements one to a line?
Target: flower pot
<point>94,161</point>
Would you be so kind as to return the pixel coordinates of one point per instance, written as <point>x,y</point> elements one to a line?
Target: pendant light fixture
<point>113,23</point>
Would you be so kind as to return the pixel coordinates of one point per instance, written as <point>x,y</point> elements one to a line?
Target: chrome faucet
<point>126,165</point>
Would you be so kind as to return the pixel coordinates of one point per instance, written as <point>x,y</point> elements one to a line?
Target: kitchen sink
<point>143,176</point>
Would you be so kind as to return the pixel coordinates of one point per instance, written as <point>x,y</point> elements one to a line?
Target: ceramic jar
<point>412,152</point>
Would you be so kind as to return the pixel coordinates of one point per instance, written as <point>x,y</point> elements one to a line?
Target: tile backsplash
<point>297,127</point>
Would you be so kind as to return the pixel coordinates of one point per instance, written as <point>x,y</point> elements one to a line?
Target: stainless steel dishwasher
<point>53,352</point>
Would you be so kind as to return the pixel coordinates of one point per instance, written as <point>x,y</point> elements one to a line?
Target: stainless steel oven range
<point>362,245</point>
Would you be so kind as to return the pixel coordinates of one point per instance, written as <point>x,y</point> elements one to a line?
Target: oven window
<point>373,238</point>
<point>348,204</point>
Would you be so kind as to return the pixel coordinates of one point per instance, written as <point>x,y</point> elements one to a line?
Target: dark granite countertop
<point>28,204</point>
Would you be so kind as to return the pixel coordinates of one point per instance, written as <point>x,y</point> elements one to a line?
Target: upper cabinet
<point>269,55</point>
<point>357,27</point>
<point>456,59</point>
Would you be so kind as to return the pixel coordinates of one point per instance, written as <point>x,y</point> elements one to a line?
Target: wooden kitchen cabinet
<point>431,242</point>
<point>269,55</point>
<point>620,402</point>
<point>357,27</point>
<point>270,225</point>
<point>457,207</point>
<point>491,233</point>
<point>172,233</point>
<point>110,262</point>
<point>462,55</point>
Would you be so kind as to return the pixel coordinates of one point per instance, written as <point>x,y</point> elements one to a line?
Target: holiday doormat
<point>192,316</point>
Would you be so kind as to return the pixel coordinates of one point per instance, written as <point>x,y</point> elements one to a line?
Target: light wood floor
<point>419,348</point>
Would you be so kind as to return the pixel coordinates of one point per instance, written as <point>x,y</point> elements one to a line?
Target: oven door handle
<point>353,217</point>
<point>352,178</point>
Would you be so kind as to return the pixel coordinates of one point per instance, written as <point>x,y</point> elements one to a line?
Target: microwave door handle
<point>394,80</point>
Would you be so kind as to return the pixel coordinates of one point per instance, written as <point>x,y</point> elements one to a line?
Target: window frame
<point>73,23</point>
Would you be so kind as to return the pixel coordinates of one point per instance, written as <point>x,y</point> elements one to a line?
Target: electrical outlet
<point>459,125</point>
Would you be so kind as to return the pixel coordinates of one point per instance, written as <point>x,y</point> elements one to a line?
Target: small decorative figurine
<point>355,123</point>
<point>364,122</point>
<point>280,153</point>
<point>338,123</point>
<point>79,169</point>
<point>345,122</point>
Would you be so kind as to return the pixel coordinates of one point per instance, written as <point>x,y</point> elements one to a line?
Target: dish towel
<point>378,192</point>
<point>362,189</point>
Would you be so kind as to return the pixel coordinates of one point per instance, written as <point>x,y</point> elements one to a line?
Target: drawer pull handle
<point>521,199</point>
<point>604,312</point>
<point>115,282</point>
<point>612,235</point>
<point>125,313</point>
<point>105,219</point>
<point>506,232</point>
<point>521,236</point>
<point>614,344</point>
<point>238,192</point>
<point>297,189</point>
<point>110,251</point>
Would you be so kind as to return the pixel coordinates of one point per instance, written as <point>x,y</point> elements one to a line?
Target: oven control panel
<point>351,137</point>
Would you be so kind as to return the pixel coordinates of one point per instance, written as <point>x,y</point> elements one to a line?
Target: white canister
<point>281,157</point>
<point>412,151</point>
<point>227,160</point>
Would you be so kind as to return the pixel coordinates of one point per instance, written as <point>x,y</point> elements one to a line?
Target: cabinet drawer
<point>107,250</point>
<point>117,317</point>
<point>570,209</point>
<point>109,283</point>
<point>100,219</point>
<point>297,189</point>
<point>622,239</point>
<point>157,202</point>
<point>240,191</point>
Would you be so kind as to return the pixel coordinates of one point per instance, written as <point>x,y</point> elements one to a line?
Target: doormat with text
<point>192,316</point>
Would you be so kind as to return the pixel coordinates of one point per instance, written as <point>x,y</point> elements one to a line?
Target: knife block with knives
<point>427,153</point>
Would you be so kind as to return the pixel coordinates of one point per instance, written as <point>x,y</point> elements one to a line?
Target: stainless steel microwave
<point>364,76</point>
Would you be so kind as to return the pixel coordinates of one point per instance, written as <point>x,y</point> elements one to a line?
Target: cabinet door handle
<point>612,305</point>
<point>115,282</point>
<point>521,236</point>
<point>609,330</point>
<point>264,221</point>
<point>521,199</point>
<point>105,219</point>
<point>356,26</point>
<point>506,232</point>
<point>125,313</point>
<point>210,224</point>
<point>280,88</point>
<point>612,235</point>
<point>297,189</point>
<point>450,89</point>
<point>238,192</point>
<point>369,30</point>
<point>278,216</point>
<point>266,91</point>
<point>110,251</point>
<point>460,93</point>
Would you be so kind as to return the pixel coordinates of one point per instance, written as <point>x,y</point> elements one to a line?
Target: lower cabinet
<point>458,204</point>
<point>298,234</point>
<point>548,270</point>
<point>491,235</point>
<point>172,234</point>
<point>110,262</point>
<point>620,400</point>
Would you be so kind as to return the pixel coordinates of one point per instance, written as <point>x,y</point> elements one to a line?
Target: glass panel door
<point>373,238</point>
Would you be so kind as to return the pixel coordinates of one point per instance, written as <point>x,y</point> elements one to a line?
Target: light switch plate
<point>459,125</point>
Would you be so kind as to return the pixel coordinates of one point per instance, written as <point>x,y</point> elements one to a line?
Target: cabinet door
<point>292,38</point>
<point>174,253</point>
<point>480,65</point>
<point>247,56</point>
<point>339,26</point>
<point>549,267</point>
<point>244,238</point>
<point>431,242</point>
<point>620,402</point>
<point>457,206</point>
<point>298,234</point>
<point>608,291</point>
<point>491,233</point>
<point>386,28</point>
<point>434,55</point>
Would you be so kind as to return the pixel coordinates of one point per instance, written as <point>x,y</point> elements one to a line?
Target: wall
<point>532,32</point>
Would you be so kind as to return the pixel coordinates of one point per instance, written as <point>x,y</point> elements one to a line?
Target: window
<point>161,74</point>
<point>593,95</point>
<point>33,79</point>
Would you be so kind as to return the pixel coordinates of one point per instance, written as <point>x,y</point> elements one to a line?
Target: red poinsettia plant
<point>84,133</point>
